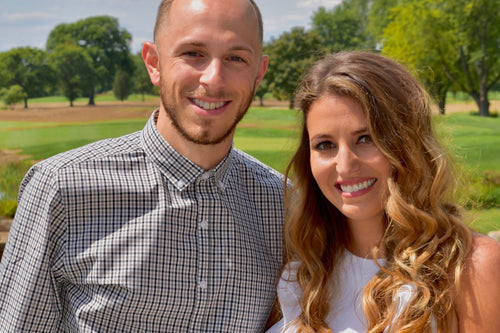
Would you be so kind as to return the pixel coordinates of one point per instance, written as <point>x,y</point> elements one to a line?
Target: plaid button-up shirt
<point>126,235</point>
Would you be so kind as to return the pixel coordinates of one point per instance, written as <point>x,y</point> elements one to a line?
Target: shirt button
<point>204,224</point>
<point>202,284</point>
<point>180,183</point>
<point>205,175</point>
<point>222,186</point>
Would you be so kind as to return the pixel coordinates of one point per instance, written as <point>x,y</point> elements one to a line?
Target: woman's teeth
<point>357,187</point>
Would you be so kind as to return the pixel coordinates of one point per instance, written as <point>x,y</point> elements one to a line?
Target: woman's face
<point>347,166</point>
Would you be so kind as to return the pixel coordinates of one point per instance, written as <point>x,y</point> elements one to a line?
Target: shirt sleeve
<point>29,301</point>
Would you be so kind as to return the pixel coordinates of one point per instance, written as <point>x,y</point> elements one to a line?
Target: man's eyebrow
<point>232,48</point>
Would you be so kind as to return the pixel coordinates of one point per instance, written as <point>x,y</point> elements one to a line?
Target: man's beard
<point>204,137</point>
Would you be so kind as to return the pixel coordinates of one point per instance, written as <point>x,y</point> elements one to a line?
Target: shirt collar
<point>180,171</point>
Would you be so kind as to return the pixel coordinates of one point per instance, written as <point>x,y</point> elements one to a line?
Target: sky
<point>29,22</point>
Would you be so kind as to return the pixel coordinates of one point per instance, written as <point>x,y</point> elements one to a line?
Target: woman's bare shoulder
<point>485,251</point>
<point>478,298</point>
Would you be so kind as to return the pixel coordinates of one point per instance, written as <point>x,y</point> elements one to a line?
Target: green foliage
<point>11,175</point>
<point>262,90</point>
<point>105,43</point>
<point>458,40</point>
<point>28,68</point>
<point>482,191</point>
<point>344,26</point>
<point>141,81</point>
<point>379,17</point>
<point>291,55</point>
<point>122,85</point>
<point>413,37</point>
<point>13,95</point>
<point>74,69</point>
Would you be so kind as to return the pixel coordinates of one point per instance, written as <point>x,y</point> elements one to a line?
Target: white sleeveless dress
<point>346,314</point>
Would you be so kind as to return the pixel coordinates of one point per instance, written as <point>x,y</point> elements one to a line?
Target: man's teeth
<point>208,105</point>
<point>357,187</point>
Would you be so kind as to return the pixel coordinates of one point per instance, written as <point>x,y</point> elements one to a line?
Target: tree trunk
<point>442,100</point>
<point>261,98</point>
<point>91,97</point>
<point>482,103</point>
<point>292,103</point>
<point>484,107</point>
<point>26,102</point>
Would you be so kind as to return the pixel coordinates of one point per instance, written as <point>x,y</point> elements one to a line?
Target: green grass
<point>41,140</point>
<point>476,139</point>
<point>484,220</point>
<point>269,134</point>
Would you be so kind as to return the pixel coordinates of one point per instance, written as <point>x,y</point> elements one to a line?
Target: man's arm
<point>29,301</point>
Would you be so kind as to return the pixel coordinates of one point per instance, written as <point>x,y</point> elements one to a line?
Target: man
<point>165,230</point>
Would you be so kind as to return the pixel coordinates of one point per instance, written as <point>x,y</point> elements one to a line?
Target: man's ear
<point>151,60</point>
<point>264,62</point>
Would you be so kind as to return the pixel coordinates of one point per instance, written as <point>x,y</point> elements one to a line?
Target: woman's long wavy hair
<point>425,242</point>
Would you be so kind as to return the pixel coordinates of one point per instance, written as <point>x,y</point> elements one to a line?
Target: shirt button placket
<point>204,202</point>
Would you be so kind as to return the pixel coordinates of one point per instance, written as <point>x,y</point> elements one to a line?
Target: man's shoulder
<point>255,168</point>
<point>105,150</point>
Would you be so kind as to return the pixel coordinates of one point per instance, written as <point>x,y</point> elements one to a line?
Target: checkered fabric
<point>126,235</point>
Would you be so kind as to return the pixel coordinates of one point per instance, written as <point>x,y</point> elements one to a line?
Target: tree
<point>12,95</point>
<point>379,18</point>
<point>73,66</point>
<point>141,82</point>
<point>463,37</point>
<point>405,40</point>
<point>122,85</point>
<point>104,41</point>
<point>264,86</point>
<point>344,26</point>
<point>28,68</point>
<point>290,57</point>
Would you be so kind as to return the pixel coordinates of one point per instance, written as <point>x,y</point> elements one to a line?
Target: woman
<point>373,240</point>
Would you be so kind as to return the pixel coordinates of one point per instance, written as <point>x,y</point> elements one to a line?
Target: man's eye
<point>192,54</point>
<point>236,59</point>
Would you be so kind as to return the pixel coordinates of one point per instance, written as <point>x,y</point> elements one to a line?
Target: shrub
<point>11,175</point>
<point>8,208</point>
<point>483,191</point>
<point>13,95</point>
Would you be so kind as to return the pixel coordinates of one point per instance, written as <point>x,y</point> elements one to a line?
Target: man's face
<point>210,64</point>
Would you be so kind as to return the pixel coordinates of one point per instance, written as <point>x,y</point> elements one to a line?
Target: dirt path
<point>61,112</point>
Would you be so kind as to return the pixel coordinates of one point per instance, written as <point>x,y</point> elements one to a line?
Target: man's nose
<point>212,74</point>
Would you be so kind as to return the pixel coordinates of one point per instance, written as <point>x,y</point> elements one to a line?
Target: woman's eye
<point>324,145</point>
<point>365,139</point>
